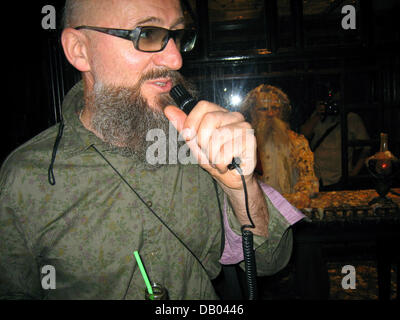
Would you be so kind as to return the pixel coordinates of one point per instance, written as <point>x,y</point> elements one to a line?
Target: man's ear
<point>76,49</point>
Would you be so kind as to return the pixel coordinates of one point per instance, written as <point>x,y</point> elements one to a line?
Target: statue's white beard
<point>275,154</point>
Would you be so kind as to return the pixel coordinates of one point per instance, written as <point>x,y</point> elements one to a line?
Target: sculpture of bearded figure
<point>285,161</point>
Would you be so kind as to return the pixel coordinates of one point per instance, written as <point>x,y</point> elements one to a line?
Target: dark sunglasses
<point>152,39</point>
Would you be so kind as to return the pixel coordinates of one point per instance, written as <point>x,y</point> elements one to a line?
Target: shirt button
<point>149,203</point>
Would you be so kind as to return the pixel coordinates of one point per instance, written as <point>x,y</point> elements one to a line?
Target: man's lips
<point>161,85</point>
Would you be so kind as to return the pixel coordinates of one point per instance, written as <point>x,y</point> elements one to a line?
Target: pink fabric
<point>233,251</point>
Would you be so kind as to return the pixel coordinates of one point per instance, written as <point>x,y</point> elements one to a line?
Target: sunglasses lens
<point>186,40</point>
<point>152,39</point>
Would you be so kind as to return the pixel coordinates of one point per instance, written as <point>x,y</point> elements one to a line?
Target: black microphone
<point>186,103</point>
<point>183,98</point>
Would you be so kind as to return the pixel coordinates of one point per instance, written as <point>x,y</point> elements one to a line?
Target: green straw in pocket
<point>144,275</point>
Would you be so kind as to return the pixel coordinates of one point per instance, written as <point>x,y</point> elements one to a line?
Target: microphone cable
<point>247,238</point>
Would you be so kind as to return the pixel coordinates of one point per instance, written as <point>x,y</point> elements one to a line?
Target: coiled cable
<point>247,239</point>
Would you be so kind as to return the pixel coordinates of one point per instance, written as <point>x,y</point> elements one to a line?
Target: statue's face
<point>267,107</point>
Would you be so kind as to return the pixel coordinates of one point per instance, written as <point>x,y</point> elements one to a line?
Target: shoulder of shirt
<point>353,116</point>
<point>296,136</point>
<point>29,155</point>
<point>37,152</point>
<point>40,144</point>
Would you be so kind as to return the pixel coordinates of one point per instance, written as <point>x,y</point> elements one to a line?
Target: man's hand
<point>215,136</point>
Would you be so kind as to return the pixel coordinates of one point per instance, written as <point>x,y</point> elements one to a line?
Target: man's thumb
<point>177,117</point>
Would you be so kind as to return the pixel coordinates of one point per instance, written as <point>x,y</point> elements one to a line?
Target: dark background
<point>297,45</point>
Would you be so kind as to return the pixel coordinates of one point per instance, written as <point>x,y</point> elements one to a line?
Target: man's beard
<point>273,140</point>
<point>122,116</point>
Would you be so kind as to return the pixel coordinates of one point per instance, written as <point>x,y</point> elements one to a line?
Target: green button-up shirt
<point>90,222</point>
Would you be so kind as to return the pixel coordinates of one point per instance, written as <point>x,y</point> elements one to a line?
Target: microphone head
<point>182,98</point>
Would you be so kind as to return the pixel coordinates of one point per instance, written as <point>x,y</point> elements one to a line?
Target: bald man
<point>78,199</point>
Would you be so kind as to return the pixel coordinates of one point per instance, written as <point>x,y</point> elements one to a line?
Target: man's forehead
<point>129,13</point>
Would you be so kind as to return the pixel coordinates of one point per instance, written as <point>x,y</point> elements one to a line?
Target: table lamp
<point>383,166</point>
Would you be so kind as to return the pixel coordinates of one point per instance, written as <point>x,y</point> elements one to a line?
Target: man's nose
<point>170,57</point>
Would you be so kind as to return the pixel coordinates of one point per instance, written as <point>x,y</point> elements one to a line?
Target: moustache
<point>174,75</point>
